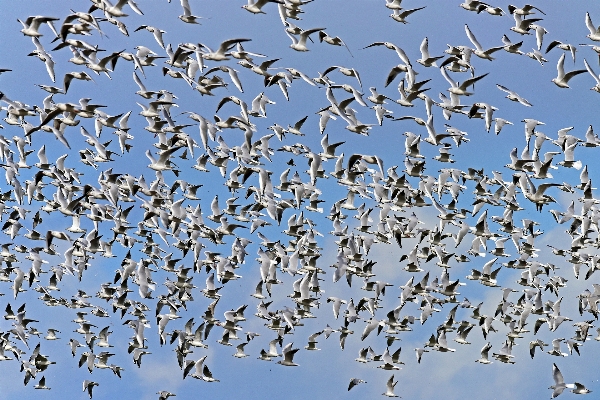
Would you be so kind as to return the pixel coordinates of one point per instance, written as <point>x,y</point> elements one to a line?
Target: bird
<point>255,7</point>
<point>187,16</point>
<point>401,15</point>
<point>89,386</point>
<point>594,32</point>
<point>562,79</point>
<point>299,44</point>
<point>354,382</point>
<point>479,51</point>
<point>288,356</point>
<point>513,96</point>
<point>390,385</point>
<point>596,87</point>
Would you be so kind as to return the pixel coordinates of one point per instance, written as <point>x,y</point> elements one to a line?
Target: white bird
<point>461,90</point>
<point>485,354</point>
<point>559,382</point>
<point>400,15</point>
<point>354,382</point>
<point>562,46</point>
<point>187,16</point>
<point>390,385</point>
<point>562,79</point>
<point>594,32</point>
<point>596,87</point>
<point>288,356</point>
<point>514,96</point>
<point>426,60</point>
<point>479,51</point>
<point>255,7</point>
<point>299,44</point>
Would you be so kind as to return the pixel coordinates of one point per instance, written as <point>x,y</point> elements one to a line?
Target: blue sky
<point>324,373</point>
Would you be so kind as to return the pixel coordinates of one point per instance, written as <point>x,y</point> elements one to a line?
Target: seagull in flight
<point>514,96</point>
<point>562,79</point>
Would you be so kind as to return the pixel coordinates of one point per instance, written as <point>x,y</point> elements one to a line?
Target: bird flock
<point>152,212</point>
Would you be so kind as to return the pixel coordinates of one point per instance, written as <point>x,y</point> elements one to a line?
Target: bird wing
<point>560,67</point>
<point>557,375</point>
<point>472,38</point>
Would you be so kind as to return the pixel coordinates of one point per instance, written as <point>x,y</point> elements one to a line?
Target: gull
<point>261,69</point>
<point>187,16</point>
<point>473,5</point>
<point>392,46</point>
<point>89,386</point>
<point>377,98</point>
<point>256,6</point>
<point>346,71</point>
<point>523,26</point>
<point>42,384</point>
<point>388,361</point>
<point>479,51</point>
<point>516,164</point>
<point>41,53</point>
<point>530,125</point>
<point>419,353</point>
<point>426,60</point>
<point>390,385</point>
<point>578,389</point>
<point>362,355</point>
<point>156,32</point>
<point>299,44</point>
<point>312,341</point>
<point>489,110</point>
<point>100,65</point>
<point>535,343</point>
<point>221,53</point>
<point>197,365</point>
<point>537,195</point>
<point>32,25</point>
<point>406,99</point>
<point>500,122</point>
<point>232,74</point>
<point>540,31</point>
<point>562,79</point>
<point>596,87</point>
<point>433,137</point>
<point>242,54</point>
<point>299,74</point>
<point>527,9</point>
<point>333,40</point>
<point>512,47</point>
<point>569,153</point>
<point>400,16</point>
<point>514,96</point>
<point>372,324</point>
<point>562,46</point>
<point>393,4</point>
<point>594,32</point>
<point>288,356</point>
<point>152,109</point>
<point>354,382</point>
<point>461,90</point>
<point>163,163</point>
<point>535,54</point>
<point>164,394</point>
<point>74,75</point>
<point>116,10</point>
<point>484,354</point>
<point>505,355</point>
<point>559,382</point>
<point>441,343</point>
<point>556,348</point>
